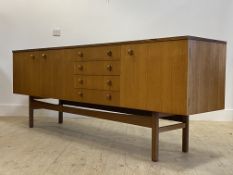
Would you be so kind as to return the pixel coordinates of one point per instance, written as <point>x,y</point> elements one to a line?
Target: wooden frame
<point>131,116</point>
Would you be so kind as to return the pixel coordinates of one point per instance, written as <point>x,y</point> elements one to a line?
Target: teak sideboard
<point>135,82</point>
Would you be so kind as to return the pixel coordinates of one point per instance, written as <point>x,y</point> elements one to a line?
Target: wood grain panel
<point>47,62</point>
<point>59,74</point>
<point>133,80</point>
<point>206,84</point>
<point>26,73</point>
<point>167,76</point>
<point>154,77</point>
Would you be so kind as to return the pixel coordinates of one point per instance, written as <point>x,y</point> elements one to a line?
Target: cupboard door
<point>26,73</point>
<point>46,74</point>
<point>167,67</point>
<point>154,76</point>
<point>133,77</point>
<point>56,74</point>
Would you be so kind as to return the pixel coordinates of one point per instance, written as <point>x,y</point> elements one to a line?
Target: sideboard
<point>135,82</point>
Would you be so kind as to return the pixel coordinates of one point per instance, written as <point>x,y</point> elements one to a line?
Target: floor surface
<point>87,146</point>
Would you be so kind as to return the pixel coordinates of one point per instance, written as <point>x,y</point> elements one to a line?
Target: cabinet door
<point>41,73</point>
<point>45,74</point>
<point>154,76</point>
<point>133,77</point>
<point>26,73</point>
<point>167,67</point>
<point>56,79</point>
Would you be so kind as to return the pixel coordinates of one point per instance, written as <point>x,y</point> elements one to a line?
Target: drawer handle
<point>80,67</point>
<point>44,55</point>
<point>80,54</point>
<point>80,81</point>
<point>80,94</point>
<point>32,56</point>
<point>109,67</point>
<point>108,97</point>
<point>109,83</point>
<point>109,53</point>
<point>130,52</point>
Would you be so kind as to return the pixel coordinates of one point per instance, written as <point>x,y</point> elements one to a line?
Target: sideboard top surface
<point>127,42</point>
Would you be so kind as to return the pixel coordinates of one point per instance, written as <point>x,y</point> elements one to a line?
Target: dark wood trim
<point>177,118</point>
<point>60,113</point>
<point>31,112</point>
<point>126,42</point>
<point>130,116</point>
<point>155,137</point>
<point>185,135</point>
<point>109,108</point>
<point>125,118</point>
<point>171,127</point>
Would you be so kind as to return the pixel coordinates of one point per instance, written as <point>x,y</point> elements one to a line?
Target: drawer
<point>98,97</point>
<point>97,68</point>
<point>97,82</point>
<point>96,53</point>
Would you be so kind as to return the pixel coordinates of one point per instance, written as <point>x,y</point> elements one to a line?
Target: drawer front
<point>96,53</point>
<point>98,97</point>
<point>97,82</point>
<point>97,68</point>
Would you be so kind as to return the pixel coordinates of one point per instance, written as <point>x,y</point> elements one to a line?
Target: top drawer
<point>96,53</point>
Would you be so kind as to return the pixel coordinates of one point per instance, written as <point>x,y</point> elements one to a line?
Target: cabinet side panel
<point>206,82</point>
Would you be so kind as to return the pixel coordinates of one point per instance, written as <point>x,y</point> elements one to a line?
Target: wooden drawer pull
<point>32,56</point>
<point>80,54</point>
<point>80,81</point>
<point>80,94</point>
<point>108,97</point>
<point>80,67</point>
<point>109,82</point>
<point>130,52</point>
<point>109,53</point>
<point>44,55</point>
<point>109,67</point>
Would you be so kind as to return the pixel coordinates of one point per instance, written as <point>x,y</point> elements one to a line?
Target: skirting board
<point>22,110</point>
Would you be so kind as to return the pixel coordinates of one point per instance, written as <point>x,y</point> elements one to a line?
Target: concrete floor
<point>87,146</point>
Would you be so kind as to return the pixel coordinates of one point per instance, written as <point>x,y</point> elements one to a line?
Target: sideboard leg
<point>185,135</point>
<point>155,137</point>
<point>60,114</point>
<point>31,113</point>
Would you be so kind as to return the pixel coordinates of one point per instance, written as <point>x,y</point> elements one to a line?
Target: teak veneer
<point>135,82</point>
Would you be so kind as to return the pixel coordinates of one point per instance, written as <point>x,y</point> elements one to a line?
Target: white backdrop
<point>28,24</point>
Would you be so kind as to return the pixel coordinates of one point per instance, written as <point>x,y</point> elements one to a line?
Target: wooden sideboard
<point>168,78</point>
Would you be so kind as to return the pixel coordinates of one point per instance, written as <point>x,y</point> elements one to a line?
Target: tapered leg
<point>60,114</point>
<point>155,137</point>
<point>31,113</point>
<point>185,135</point>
